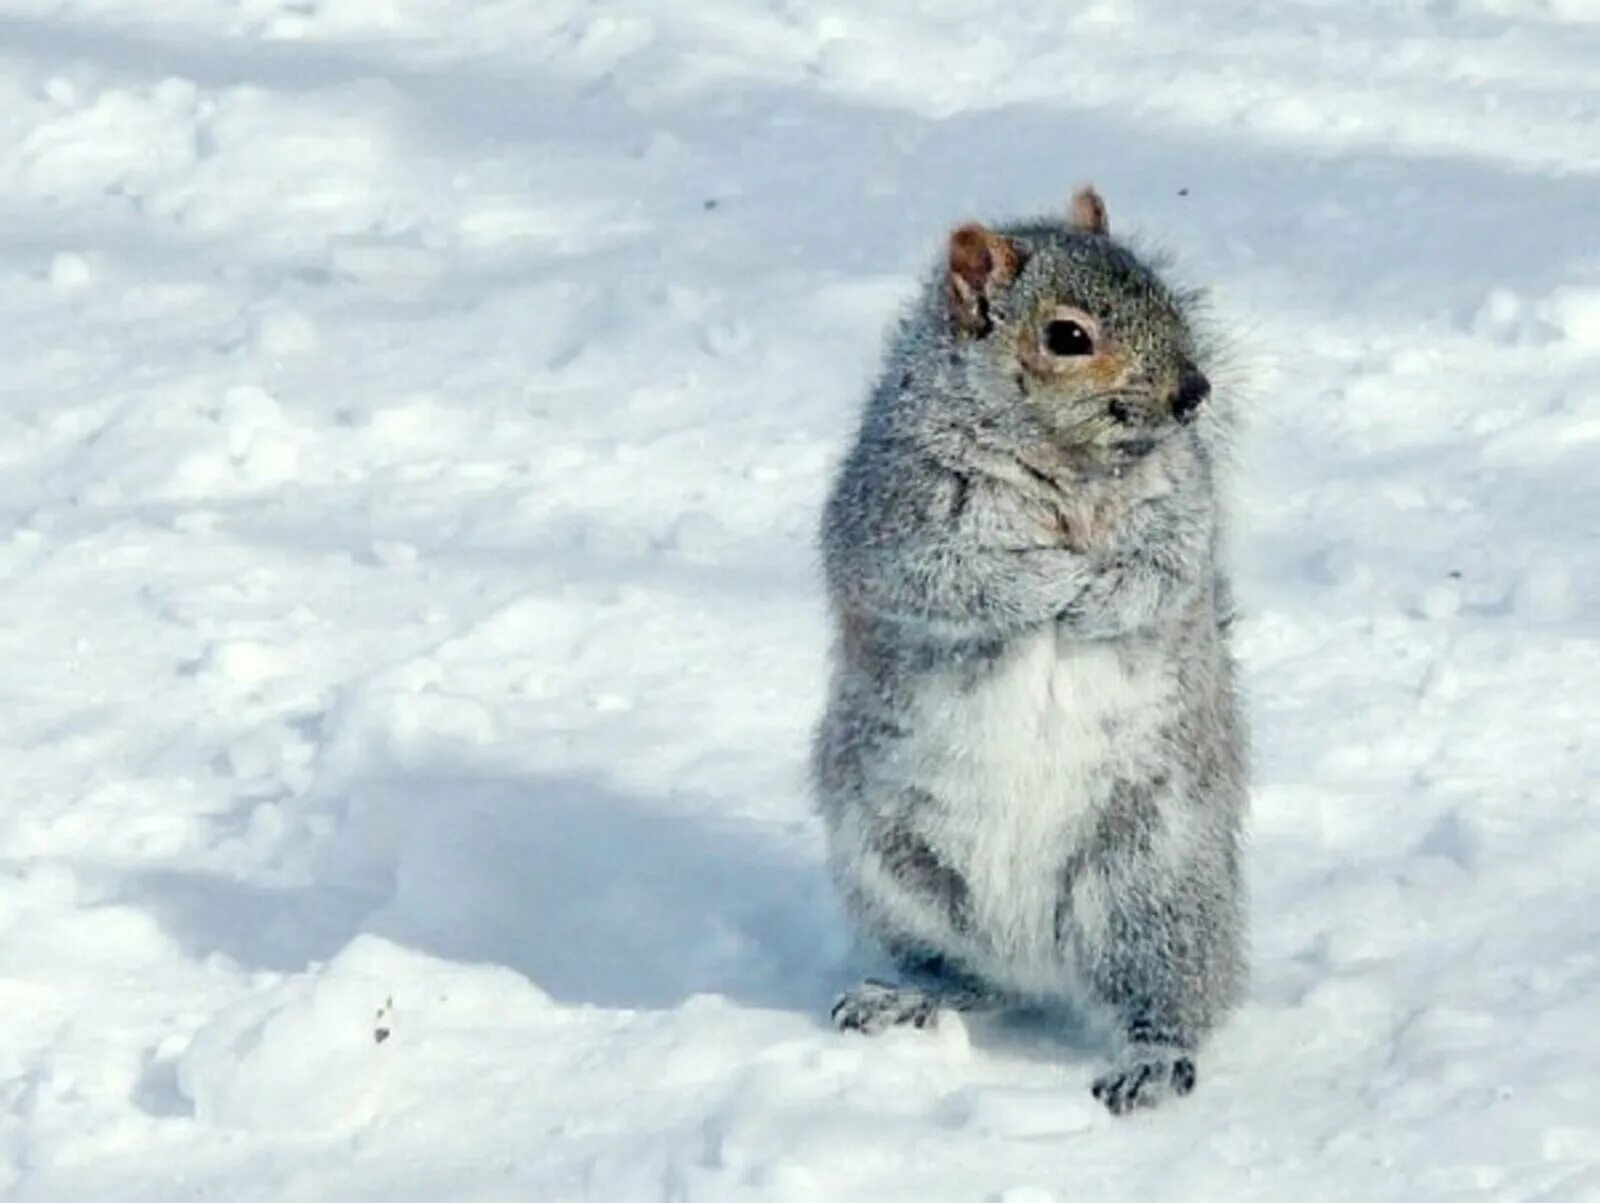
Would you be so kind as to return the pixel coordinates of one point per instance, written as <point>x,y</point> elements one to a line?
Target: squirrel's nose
<point>1193,388</point>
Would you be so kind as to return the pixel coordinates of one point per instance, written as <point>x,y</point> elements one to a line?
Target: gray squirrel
<point>1032,765</point>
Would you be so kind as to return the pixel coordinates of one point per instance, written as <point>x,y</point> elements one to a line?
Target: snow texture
<point>415,420</point>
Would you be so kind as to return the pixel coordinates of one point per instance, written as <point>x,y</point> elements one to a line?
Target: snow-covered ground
<point>414,419</point>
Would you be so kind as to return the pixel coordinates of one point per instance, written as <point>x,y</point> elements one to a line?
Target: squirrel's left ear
<point>982,265</point>
<point>1088,212</point>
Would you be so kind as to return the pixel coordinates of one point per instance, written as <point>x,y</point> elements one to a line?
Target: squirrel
<point>1032,764</point>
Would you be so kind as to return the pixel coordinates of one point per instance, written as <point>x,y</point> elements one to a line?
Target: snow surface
<point>415,417</point>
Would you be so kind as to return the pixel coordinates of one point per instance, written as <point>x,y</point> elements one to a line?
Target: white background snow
<point>414,420</point>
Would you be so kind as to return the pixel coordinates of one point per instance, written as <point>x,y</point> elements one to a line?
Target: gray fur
<point>1032,765</point>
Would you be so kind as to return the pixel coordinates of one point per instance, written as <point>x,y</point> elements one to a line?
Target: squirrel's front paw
<point>874,1007</point>
<point>1143,1077</point>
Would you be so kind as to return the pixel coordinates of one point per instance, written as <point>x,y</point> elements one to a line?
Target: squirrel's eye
<point>1065,337</point>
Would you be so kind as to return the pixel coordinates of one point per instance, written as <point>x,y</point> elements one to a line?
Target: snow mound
<point>329,1049</point>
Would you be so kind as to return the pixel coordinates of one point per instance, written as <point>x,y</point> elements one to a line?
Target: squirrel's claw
<point>875,1006</point>
<point>1145,1079</point>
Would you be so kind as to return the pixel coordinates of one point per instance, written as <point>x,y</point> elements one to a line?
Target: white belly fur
<point>1019,762</point>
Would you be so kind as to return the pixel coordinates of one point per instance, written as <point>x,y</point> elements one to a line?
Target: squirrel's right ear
<point>1088,212</point>
<point>982,264</point>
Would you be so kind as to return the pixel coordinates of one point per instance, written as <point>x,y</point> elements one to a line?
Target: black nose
<point>1193,388</point>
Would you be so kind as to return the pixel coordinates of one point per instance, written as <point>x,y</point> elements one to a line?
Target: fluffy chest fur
<point>1045,717</point>
<point>1016,759</point>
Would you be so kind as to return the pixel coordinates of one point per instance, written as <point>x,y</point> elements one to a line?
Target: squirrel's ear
<point>982,263</point>
<point>1088,213</point>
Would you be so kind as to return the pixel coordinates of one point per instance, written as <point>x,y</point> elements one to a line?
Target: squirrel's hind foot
<point>875,1006</point>
<point>1143,1077</point>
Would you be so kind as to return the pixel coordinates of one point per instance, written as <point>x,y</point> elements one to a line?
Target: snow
<point>414,421</point>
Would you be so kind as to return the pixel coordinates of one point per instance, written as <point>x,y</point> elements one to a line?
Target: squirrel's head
<point>1096,347</point>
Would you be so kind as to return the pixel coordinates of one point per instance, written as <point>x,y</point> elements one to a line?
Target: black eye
<point>1066,337</point>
